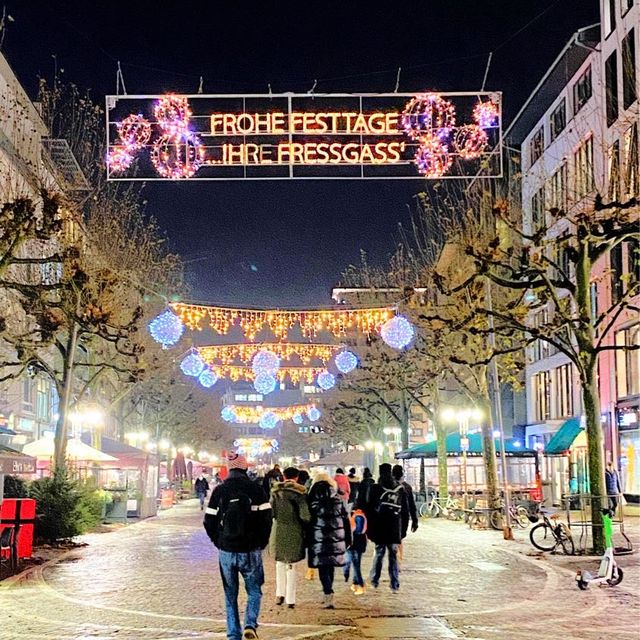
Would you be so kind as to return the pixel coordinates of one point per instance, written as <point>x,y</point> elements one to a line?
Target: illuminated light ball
<point>134,131</point>
<point>470,141</point>
<point>397,332</point>
<point>264,383</point>
<point>228,414</point>
<point>486,114</point>
<point>119,159</point>
<point>192,365</point>
<point>207,378</point>
<point>265,361</point>
<point>432,157</point>
<point>326,380</point>
<point>275,445</point>
<point>166,328</point>
<point>177,156</point>
<point>172,114</point>
<point>428,113</point>
<point>346,361</point>
<point>313,414</point>
<point>297,418</point>
<point>269,420</point>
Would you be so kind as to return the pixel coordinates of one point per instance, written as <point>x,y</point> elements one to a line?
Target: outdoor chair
<point>7,547</point>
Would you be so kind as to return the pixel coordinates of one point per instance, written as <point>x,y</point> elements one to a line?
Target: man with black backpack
<point>238,521</point>
<point>388,521</point>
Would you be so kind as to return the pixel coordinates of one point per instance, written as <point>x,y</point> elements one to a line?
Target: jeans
<point>249,565</point>
<point>286,581</point>
<point>201,497</point>
<point>394,569</point>
<point>355,559</point>
<point>326,578</point>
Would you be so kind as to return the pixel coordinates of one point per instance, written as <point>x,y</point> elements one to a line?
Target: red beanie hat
<point>237,461</point>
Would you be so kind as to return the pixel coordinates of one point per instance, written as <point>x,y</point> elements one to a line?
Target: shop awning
<point>563,438</point>
<point>512,446</point>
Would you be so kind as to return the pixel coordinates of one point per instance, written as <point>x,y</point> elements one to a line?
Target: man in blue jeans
<point>238,521</point>
<point>387,512</point>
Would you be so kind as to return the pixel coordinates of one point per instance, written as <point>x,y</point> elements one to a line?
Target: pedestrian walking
<point>273,475</point>
<point>238,521</point>
<point>304,479</point>
<point>398,473</point>
<point>329,533</point>
<point>342,484</point>
<point>290,518</point>
<point>354,485</point>
<point>201,487</point>
<point>612,482</point>
<point>388,521</point>
<point>363,498</point>
<point>358,547</point>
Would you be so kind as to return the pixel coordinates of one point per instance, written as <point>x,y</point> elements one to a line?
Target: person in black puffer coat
<point>329,533</point>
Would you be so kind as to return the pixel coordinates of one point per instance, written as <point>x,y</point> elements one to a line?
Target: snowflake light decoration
<point>269,420</point>
<point>166,328</point>
<point>177,156</point>
<point>346,361</point>
<point>192,365</point>
<point>470,141</point>
<point>432,157</point>
<point>313,414</point>
<point>326,380</point>
<point>397,332</point>
<point>265,361</point>
<point>207,378</point>
<point>228,415</point>
<point>486,114</point>
<point>428,114</point>
<point>264,383</point>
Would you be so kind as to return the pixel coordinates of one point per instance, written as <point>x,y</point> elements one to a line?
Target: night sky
<point>286,242</point>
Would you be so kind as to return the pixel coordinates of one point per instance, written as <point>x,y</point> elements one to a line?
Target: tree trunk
<point>423,484</point>
<point>595,453</point>
<point>62,426</point>
<point>443,469</point>
<point>404,409</point>
<point>489,455</point>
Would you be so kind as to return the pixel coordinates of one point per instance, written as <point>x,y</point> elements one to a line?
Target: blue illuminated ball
<point>346,361</point>
<point>264,383</point>
<point>313,414</point>
<point>298,419</point>
<point>207,378</point>
<point>326,380</point>
<point>192,365</point>
<point>397,332</point>
<point>265,362</point>
<point>269,420</point>
<point>228,414</point>
<point>166,328</point>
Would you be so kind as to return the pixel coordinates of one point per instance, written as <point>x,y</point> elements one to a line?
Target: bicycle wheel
<point>522,517</point>
<point>565,539</point>
<point>496,519</point>
<point>542,537</point>
<point>424,510</point>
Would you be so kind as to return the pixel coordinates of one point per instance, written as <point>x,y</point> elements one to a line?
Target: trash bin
<point>167,497</point>
<point>21,513</point>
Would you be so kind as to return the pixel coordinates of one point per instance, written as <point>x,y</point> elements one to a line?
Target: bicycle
<point>517,514</point>
<point>548,536</point>
<point>434,508</point>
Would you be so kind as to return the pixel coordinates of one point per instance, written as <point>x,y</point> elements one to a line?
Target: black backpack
<point>234,524</point>
<point>390,502</point>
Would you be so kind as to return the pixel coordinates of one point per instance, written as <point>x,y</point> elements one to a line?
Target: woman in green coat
<point>290,519</point>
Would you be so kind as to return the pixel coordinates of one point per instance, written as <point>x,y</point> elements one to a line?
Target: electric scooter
<point>609,572</point>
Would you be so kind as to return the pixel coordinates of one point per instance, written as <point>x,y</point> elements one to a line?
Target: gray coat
<point>290,519</point>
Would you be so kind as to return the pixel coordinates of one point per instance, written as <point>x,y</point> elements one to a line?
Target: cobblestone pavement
<point>158,580</point>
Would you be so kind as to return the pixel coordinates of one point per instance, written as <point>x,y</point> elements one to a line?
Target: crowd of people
<point>327,520</point>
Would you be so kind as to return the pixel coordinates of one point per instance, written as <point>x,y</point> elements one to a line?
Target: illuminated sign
<point>312,136</point>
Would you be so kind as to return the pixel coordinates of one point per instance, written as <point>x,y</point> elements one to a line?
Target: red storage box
<point>20,513</point>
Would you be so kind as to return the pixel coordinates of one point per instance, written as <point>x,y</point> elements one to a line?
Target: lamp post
<point>376,447</point>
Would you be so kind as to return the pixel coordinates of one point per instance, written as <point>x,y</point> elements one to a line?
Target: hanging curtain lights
<point>295,374</point>
<point>192,365</point>
<point>247,414</point>
<point>254,447</point>
<point>166,328</point>
<point>335,321</point>
<point>326,380</point>
<point>346,361</point>
<point>244,352</point>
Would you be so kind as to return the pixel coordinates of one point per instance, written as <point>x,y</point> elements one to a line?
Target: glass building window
<point>558,120</point>
<point>632,170</point>
<point>611,87</point>
<point>563,385</point>
<point>629,91</point>
<point>628,362</point>
<point>582,90</point>
<point>583,168</point>
<point>609,16</point>
<point>536,145</point>
<point>537,209</point>
<point>614,171</point>
<point>558,189</point>
<point>540,384</point>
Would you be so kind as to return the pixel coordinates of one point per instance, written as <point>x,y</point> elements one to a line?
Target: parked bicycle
<point>436,507</point>
<point>518,515</point>
<point>550,534</point>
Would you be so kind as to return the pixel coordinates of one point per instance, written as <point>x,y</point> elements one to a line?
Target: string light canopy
<point>264,383</point>
<point>166,328</point>
<point>265,361</point>
<point>245,352</point>
<point>326,380</point>
<point>250,414</point>
<point>397,332</point>
<point>251,321</point>
<point>207,378</point>
<point>295,374</point>
<point>192,365</point>
<point>346,361</point>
